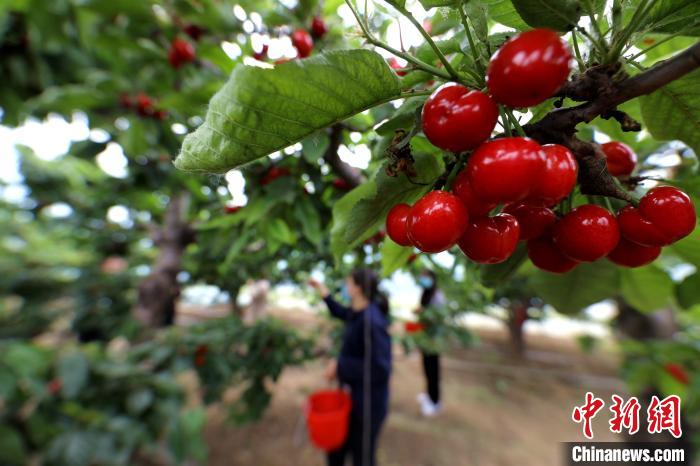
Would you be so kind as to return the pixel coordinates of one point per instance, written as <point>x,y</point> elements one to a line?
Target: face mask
<point>344,293</point>
<point>425,282</point>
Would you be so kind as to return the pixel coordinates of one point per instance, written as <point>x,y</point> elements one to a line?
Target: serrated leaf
<point>673,112</point>
<point>504,12</point>
<point>560,15</point>
<point>646,288</point>
<point>585,285</point>
<point>394,256</point>
<point>260,111</point>
<point>674,16</point>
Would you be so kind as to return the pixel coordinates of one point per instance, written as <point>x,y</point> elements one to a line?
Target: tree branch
<point>559,126</point>
<point>351,175</point>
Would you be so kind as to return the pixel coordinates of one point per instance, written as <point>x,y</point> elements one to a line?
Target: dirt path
<point>498,411</point>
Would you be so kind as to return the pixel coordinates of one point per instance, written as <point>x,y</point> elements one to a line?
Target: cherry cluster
<point>522,181</point>
<point>302,40</point>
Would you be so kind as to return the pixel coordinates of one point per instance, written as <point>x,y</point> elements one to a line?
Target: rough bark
<point>158,292</point>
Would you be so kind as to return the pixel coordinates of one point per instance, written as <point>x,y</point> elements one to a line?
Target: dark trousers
<point>353,444</point>
<point>431,367</point>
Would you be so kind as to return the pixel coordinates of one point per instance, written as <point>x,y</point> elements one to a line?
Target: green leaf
<point>688,248</point>
<point>12,451</point>
<point>355,224</point>
<point>394,256</point>
<point>26,360</point>
<point>504,12</point>
<point>341,216</point>
<point>260,111</point>
<point>585,285</point>
<point>646,288</point>
<point>139,401</point>
<point>314,146</point>
<point>277,229</point>
<point>73,372</point>
<point>688,291</point>
<point>560,15</point>
<point>673,16</point>
<point>673,112</point>
<point>308,218</point>
<point>497,274</point>
<point>427,4</point>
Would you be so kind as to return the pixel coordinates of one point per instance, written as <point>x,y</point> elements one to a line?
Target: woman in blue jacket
<point>364,363</point>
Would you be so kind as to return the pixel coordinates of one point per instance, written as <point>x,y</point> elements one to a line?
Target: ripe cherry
<point>54,386</point>
<point>180,52</point>
<point>437,221</point>
<point>558,177</point>
<point>341,184</point>
<point>397,226</point>
<point>529,68</point>
<point>506,169</point>
<point>490,240</point>
<point>629,254</point>
<point>273,174</point>
<point>670,210</point>
<point>144,104</point>
<point>463,190</point>
<point>318,27</point>
<point>639,230</point>
<point>396,66</point>
<point>195,32</point>
<point>302,41</point>
<point>620,158</point>
<point>534,221</point>
<point>456,119</point>
<point>546,256</point>
<point>232,209</point>
<point>262,54</point>
<point>587,233</point>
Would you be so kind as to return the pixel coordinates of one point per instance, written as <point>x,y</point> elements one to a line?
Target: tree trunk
<point>158,292</point>
<point>517,314</point>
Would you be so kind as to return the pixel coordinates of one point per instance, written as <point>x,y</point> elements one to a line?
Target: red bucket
<point>414,327</point>
<point>327,418</point>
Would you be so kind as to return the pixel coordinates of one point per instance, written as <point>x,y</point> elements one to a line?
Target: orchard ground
<point>498,410</point>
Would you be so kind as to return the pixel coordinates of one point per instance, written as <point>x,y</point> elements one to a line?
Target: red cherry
<point>506,169</point>
<point>144,104</point>
<point>670,210</point>
<point>490,240</point>
<point>318,27</point>
<point>396,66</point>
<point>232,209</point>
<point>414,327</point>
<point>274,173</point>
<point>529,68</point>
<point>180,52</point>
<point>559,176</point>
<point>160,115</point>
<point>534,221</point>
<point>396,226</point>
<point>194,31</point>
<point>621,159</point>
<point>302,41</point>
<point>436,221</point>
<point>54,386</point>
<point>341,184</point>
<point>545,255</point>
<point>262,54</point>
<point>463,190</point>
<point>587,233</point>
<point>678,372</point>
<point>125,100</point>
<point>629,254</point>
<point>456,119</point>
<point>639,230</point>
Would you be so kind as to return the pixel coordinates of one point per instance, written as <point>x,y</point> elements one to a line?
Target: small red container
<point>327,418</point>
<point>414,327</point>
